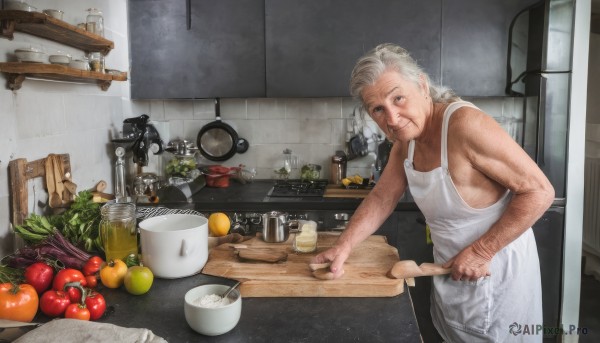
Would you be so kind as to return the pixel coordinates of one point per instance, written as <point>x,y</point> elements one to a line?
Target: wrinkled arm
<point>371,213</point>
<point>495,154</point>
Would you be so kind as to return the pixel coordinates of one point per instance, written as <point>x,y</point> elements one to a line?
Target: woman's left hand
<point>469,265</point>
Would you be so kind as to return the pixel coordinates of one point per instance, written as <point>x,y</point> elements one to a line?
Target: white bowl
<point>31,55</point>
<point>174,245</point>
<point>60,59</point>
<point>19,5</point>
<point>58,14</point>
<point>80,64</point>
<point>212,321</point>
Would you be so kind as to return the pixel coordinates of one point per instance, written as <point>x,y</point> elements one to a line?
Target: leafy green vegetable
<point>12,275</point>
<point>310,172</point>
<point>79,224</point>
<point>181,166</point>
<point>132,260</point>
<point>36,228</point>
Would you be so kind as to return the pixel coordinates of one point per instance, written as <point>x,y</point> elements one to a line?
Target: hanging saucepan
<point>218,141</point>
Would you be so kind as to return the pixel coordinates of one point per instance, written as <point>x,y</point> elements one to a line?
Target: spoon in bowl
<point>228,291</point>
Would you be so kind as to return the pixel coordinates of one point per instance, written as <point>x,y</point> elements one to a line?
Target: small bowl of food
<point>60,58</point>
<point>32,55</point>
<point>81,64</point>
<point>206,312</point>
<point>58,14</point>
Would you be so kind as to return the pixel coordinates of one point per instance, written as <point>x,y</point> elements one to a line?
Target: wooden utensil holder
<point>20,172</point>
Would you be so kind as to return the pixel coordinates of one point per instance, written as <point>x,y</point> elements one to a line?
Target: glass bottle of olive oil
<point>118,229</point>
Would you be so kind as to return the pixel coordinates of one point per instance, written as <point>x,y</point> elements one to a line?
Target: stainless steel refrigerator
<point>539,71</point>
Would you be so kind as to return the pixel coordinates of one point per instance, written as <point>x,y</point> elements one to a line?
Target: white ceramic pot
<point>174,245</point>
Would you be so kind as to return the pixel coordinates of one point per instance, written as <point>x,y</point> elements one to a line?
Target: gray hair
<point>390,56</point>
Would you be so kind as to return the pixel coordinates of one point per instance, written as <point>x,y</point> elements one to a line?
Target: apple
<point>138,280</point>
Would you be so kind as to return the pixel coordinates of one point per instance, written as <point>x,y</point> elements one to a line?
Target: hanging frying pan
<point>218,141</point>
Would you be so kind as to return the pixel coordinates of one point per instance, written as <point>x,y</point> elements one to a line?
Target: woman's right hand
<point>335,255</point>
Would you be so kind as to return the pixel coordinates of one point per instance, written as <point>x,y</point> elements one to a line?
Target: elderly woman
<point>478,190</point>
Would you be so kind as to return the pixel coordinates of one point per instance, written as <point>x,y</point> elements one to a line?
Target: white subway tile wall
<point>46,117</point>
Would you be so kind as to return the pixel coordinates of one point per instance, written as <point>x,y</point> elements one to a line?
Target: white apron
<point>485,310</point>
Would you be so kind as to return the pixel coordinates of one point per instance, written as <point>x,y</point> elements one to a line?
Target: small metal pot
<point>276,228</point>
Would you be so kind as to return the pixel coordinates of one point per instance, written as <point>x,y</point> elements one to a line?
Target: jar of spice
<point>97,61</point>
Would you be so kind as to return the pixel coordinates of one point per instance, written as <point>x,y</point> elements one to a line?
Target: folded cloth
<point>76,331</point>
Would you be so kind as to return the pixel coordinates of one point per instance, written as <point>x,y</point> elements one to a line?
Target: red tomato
<point>54,303</point>
<point>39,275</point>
<point>92,266</point>
<point>69,275</point>
<point>96,304</point>
<point>92,281</point>
<point>18,302</point>
<point>77,311</point>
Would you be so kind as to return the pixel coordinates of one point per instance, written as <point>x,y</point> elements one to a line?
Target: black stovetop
<point>298,188</point>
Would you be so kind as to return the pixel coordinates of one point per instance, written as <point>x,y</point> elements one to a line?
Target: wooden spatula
<point>58,177</point>
<point>53,197</point>
<point>261,255</point>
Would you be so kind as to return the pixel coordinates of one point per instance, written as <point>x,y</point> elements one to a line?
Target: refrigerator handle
<point>541,122</point>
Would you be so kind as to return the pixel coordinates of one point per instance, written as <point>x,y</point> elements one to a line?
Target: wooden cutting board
<point>337,191</point>
<point>365,270</point>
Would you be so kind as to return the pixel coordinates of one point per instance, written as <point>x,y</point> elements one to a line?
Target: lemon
<point>358,179</point>
<point>218,224</point>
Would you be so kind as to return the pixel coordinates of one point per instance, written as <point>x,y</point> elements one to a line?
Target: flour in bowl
<point>212,301</point>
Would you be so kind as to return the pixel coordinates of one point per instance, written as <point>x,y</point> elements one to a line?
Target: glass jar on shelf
<point>94,22</point>
<point>288,166</point>
<point>96,61</point>
<point>183,166</point>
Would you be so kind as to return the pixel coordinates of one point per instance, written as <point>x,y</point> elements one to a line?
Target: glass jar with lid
<point>183,166</point>
<point>96,61</point>
<point>118,230</point>
<point>95,22</point>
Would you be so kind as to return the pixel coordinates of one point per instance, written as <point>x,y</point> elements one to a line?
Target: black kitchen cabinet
<point>312,45</point>
<point>222,54</point>
<point>475,45</point>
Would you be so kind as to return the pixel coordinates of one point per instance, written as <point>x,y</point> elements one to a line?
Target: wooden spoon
<point>53,198</point>
<point>409,269</point>
<point>262,255</point>
<point>99,187</point>
<point>58,177</point>
<point>70,186</point>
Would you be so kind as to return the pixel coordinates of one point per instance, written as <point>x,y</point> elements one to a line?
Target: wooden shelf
<point>18,71</point>
<point>41,25</point>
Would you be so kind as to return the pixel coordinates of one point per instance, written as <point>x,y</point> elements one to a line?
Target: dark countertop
<point>254,197</point>
<point>268,319</point>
